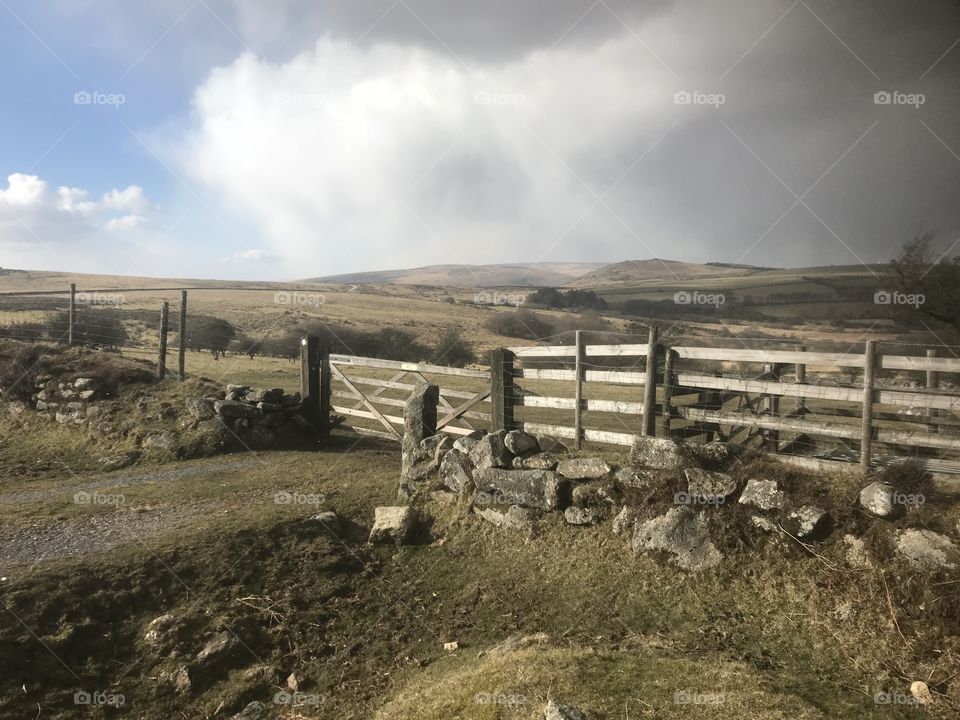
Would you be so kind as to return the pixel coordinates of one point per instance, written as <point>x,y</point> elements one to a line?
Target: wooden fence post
<point>501,389</point>
<point>580,372</point>
<point>164,323</point>
<point>71,313</point>
<point>866,430</point>
<point>182,349</point>
<point>650,383</point>
<point>933,383</point>
<point>325,393</point>
<point>310,378</point>
<point>772,405</point>
<point>669,380</point>
<point>801,373</point>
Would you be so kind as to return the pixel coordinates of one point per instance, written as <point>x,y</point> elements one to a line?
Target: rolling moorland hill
<point>470,276</point>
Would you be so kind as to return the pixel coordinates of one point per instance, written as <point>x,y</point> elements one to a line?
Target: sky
<point>284,139</point>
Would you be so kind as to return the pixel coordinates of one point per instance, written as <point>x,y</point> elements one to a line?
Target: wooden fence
<point>788,401</point>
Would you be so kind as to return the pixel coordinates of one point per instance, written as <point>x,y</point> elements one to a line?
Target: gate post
<point>650,384</point>
<point>325,393</point>
<point>580,372</point>
<point>669,380</point>
<point>501,389</point>
<point>310,378</point>
<point>866,429</point>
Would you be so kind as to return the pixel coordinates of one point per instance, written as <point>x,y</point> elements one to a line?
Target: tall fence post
<point>866,430</point>
<point>650,383</point>
<point>933,383</point>
<point>800,370</point>
<point>182,349</point>
<point>501,389</point>
<point>774,371</point>
<point>325,393</point>
<point>579,371</point>
<point>310,378</point>
<point>71,313</point>
<point>164,323</point>
<point>669,380</point>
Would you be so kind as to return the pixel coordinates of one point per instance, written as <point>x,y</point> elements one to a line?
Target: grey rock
<point>419,423</point>
<point>85,383</point>
<point>86,394</point>
<point>710,487</point>
<point>625,521</point>
<point>490,452</point>
<point>436,446</point>
<point>519,443</point>
<point>657,453</point>
<point>254,711</point>
<point>762,494</point>
<point>681,533</point>
<point>927,550</point>
<point>550,444</point>
<point>540,461</point>
<point>762,523</point>
<point>200,408</point>
<point>273,395</point>
<point>269,407</point>
<point>877,498</point>
<point>235,409</point>
<point>218,650</point>
<point>514,518</point>
<point>809,523</point>
<point>557,711</point>
<point>291,400</point>
<point>455,471</point>
<point>584,468</point>
<point>466,443</point>
<point>158,629</point>
<point>329,519</point>
<point>541,489</point>
<point>160,441</point>
<point>632,478</point>
<point>580,516</point>
<point>393,524</point>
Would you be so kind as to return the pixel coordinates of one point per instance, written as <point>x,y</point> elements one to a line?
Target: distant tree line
<point>566,299</point>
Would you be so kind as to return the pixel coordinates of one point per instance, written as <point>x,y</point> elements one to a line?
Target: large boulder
<point>456,471</point>
<point>809,523</point>
<point>520,443</point>
<point>393,524</point>
<point>491,452</point>
<point>879,499</point>
<point>681,533</point>
<point>927,550</point>
<point>514,518</point>
<point>540,461</point>
<point>584,468</point>
<point>200,408</point>
<point>712,488</point>
<point>236,409</point>
<point>632,478</point>
<point>541,489</point>
<point>419,423</point>
<point>658,453</point>
<point>580,515</point>
<point>762,494</point>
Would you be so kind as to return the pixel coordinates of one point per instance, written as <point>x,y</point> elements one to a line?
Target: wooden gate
<point>371,393</point>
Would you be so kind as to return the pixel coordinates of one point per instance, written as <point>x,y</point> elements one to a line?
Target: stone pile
<point>260,418</point>
<point>73,401</point>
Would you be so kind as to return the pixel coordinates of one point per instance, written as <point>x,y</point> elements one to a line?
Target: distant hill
<point>470,276</point>
<point>634,271</point>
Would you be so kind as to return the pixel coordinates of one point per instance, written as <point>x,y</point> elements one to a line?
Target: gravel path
<point>47,539</point>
